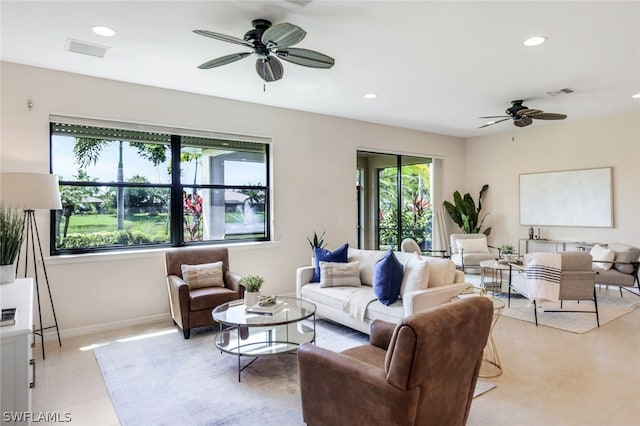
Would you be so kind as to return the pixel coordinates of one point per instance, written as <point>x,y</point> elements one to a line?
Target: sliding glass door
<point>394,200</point>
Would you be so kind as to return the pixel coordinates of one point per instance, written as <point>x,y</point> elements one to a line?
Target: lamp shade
<point>30,191</point>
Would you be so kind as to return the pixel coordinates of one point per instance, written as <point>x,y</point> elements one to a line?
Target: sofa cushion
<point>441,271</point>
<point>333,297</point>
<point>324,255</point>
<point>599,254</point>
<point>377,311</point>
<point>630,255</point>
<point>203,275</point>
<point>473,245</point>
<point>416,274</point>
<point>333,274</point>
<point>387,278</point>
<point>367,260</point>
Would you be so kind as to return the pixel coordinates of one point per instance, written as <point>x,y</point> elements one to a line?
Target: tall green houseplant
<point>465,213</point>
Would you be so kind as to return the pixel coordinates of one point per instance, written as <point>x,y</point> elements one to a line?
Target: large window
<point>124,188</point>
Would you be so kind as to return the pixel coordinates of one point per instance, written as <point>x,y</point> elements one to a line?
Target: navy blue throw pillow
<point>387,278</point>
<point>324,255</point>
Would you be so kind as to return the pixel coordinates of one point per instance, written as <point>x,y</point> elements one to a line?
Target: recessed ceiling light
<point>636,96</point>
<point>370,96</point>
<point>103,31</point>
<point>534,41</point>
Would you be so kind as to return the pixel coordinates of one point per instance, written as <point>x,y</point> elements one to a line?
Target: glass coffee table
<point>255,335</point>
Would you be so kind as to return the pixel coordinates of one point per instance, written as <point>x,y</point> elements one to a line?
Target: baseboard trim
<point>108,326</point>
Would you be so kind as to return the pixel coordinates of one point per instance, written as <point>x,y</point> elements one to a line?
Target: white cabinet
<point>17,365</point>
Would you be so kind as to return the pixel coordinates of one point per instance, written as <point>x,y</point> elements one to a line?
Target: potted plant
<point>506,249</point>
<point>507,252</point>
<point>317,241</point>
<point>11,229</point>
<point>252,285</point>
<point>465,214</point>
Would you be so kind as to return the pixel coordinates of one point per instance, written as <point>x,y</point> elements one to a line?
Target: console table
<point>17,366</point>
<point>529,245</point>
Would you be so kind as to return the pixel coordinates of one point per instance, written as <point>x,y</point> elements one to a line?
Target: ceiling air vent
<point>85,48</point>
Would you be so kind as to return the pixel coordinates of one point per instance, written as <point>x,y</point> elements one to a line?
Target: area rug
<point>162,379</point>
<point>610,307</point>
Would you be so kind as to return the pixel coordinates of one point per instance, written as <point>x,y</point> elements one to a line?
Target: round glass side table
<point>491,366</point>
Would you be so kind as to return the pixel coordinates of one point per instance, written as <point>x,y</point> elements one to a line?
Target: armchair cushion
<point>335,274</point>
<point>387,278</point>
<point>599,253</point>
<point>324,255</point>
<point>629,255</point>
<point>209,297</point>
<point>204,275</point>
<point>473,245</point>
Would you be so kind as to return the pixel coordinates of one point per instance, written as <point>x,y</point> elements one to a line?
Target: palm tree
<point>88,150</point>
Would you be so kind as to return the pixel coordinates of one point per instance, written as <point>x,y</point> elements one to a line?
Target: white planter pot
<point>251,298</point>
<point>7,274</point>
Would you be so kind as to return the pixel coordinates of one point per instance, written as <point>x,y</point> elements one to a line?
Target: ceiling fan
<point>522,115</point>
<point>269,42</point>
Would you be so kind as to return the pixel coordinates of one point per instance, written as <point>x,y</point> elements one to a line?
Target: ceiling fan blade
<point>306,57</point>
<point>283,35</point>
<point>491,123</point>
<point>269,69</point>
<point>529,112</point>
<point>223,60</point>
<point>223,37</point>
<point>550,116</point>
<point>496,116</point>
<point>523,122</point>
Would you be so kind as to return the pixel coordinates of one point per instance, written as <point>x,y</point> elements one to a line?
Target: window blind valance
<point>107,129</point>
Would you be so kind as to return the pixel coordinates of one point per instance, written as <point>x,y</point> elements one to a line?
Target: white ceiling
<point>435,66</point>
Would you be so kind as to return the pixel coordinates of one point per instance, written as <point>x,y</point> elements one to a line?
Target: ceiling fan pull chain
<point>264,83</point>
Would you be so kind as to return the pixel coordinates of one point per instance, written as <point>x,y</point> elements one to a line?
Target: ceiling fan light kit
<point>269,42</point>
<point>522,115</point>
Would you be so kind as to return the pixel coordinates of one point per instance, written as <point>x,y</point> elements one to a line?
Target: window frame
<point>176,187</point>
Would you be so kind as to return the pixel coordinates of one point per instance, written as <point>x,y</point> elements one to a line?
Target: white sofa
<point>444,283</point>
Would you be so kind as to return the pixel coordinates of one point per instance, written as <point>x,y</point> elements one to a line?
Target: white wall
<point>602,142</point>
<point>314,161</point>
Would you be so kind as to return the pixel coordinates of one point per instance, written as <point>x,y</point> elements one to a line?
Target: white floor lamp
<point>31,192</point>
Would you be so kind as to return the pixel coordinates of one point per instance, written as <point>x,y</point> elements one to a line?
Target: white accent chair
<point>468,250</point>
<point>409,245</point>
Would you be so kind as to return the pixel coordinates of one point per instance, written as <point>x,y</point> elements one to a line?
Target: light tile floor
<point>550,377</point>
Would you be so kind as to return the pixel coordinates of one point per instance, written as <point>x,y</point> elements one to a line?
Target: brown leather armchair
<point>422,371</point>
<point>191,308</point>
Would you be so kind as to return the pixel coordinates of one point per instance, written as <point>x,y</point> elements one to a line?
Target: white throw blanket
<point>543,272</point>
<point>356,304</point>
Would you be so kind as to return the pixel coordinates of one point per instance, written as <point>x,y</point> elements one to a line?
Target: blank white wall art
<point>567,198</point>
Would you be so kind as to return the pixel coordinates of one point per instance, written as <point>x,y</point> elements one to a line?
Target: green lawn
<point>89,223</point>
<point>151,224</point>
